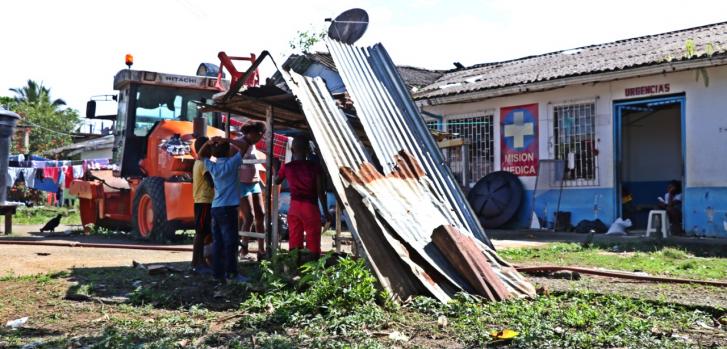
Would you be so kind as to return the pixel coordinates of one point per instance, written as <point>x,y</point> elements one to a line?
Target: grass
<point>329,303</point>
<point>42,214</point>
<point>569,320</point>
<point>663,261</point>
<point>39,278</point>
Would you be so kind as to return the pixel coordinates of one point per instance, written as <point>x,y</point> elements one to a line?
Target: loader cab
<point>145,99</point>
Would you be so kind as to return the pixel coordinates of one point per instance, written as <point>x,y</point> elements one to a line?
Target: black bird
<point>52,224</point>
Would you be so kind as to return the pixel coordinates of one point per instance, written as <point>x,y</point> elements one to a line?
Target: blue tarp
<point>32,158</point>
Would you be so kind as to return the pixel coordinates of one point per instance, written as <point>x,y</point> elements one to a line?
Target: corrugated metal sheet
<point>394,215</point>
<point>340,148</point>
<point>393,123</point>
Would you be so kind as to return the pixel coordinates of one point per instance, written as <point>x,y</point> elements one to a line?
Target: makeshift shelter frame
<point>273,116</point>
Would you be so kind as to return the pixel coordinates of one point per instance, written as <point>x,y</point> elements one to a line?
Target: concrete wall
<point>705,139</point>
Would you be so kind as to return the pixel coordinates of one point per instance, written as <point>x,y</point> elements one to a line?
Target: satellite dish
<point>349,26</point>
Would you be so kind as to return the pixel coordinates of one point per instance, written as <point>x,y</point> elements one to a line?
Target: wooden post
<point>8,223</point>
<point>227,125</point>
<point>269,182</point>
<point>338,227</point>
<point>275,237</point>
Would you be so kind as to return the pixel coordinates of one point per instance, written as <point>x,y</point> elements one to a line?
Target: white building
<point>626,117</point>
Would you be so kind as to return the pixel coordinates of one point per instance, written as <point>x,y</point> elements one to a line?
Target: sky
<point>76,47</point>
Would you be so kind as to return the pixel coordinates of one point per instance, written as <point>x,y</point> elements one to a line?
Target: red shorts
<point>304,216</point>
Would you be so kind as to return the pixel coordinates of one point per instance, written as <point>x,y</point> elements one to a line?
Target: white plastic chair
<point>658,223</point>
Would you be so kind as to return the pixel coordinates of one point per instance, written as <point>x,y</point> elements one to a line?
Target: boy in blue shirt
<point>225,175</point>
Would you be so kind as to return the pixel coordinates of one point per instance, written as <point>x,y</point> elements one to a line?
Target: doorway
<point>649,154</point>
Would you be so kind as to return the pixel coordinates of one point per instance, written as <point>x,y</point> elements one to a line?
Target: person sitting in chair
<point>672,203</point>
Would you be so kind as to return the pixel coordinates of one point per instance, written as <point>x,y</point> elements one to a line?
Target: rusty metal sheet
<point>392,123</point>
<point>340,147</point>
<point>404,202</point>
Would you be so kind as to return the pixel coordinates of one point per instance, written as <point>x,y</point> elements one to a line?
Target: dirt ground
<point>689,295</point>
<point>88,298</point>
<point>29,260</point>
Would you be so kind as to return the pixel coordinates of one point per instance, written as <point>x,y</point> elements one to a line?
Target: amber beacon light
<point>129,60</point>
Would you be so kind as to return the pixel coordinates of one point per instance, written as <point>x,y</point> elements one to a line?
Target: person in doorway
<point>672,203</point>
<point>251,204</point>
<point>225,176</point>
<point>305,182</point>
<point>203,193</point>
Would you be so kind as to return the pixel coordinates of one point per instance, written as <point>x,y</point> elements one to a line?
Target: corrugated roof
<point>414,77</point>
<point>91,144</point>
<point>682,45</point>
<point>300,62</point>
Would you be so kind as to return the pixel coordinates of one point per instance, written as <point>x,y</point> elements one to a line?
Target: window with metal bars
<point>433,125</point>
<point>477,129</point>
<point>574,131</point>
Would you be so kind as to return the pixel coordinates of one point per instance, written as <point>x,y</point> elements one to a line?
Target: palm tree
<point>35,93</point>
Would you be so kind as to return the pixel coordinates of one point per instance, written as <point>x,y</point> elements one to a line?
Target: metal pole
<point>465,166</point>
<point>268,181</point>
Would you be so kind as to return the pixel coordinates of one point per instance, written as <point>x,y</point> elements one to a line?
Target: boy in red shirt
<point>305,183</point>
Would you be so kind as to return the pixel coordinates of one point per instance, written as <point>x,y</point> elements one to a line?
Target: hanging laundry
<point>68,172</point>
<point>61,178</point>
<point>77,171</point>
<point>29,176</point>
<point>52,173</point>
<point>45,181</point>
<point>12,176</point>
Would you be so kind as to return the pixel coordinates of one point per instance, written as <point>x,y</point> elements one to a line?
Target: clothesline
<point>58,163</point>
<point>51,176</point>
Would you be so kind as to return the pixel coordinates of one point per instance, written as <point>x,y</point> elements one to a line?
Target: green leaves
<point>321,289</point>
<point>305,40</point>
<point>51,125</point>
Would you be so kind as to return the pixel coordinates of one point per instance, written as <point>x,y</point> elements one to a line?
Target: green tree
<point>35,92</point>
<point>305,40</point>
<point>7,102</point>
<point>51,125</point>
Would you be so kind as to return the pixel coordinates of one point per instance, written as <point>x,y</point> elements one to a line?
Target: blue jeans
<point>225,238</point>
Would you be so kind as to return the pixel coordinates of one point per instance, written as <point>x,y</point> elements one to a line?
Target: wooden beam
<point>338,227</point>
<point>275,236</point>
<point>450,143</point>
<point>269,181</point>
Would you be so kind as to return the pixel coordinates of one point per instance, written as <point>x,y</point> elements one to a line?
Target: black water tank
<point>8,120</point>
<point>496,198</point>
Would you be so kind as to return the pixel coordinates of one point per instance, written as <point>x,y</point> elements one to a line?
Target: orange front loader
<point>150,193</point>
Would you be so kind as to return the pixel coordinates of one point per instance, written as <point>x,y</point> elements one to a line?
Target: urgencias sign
<point>647,90</point>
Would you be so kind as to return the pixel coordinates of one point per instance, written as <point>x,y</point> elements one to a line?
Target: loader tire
<point>149,212</point>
